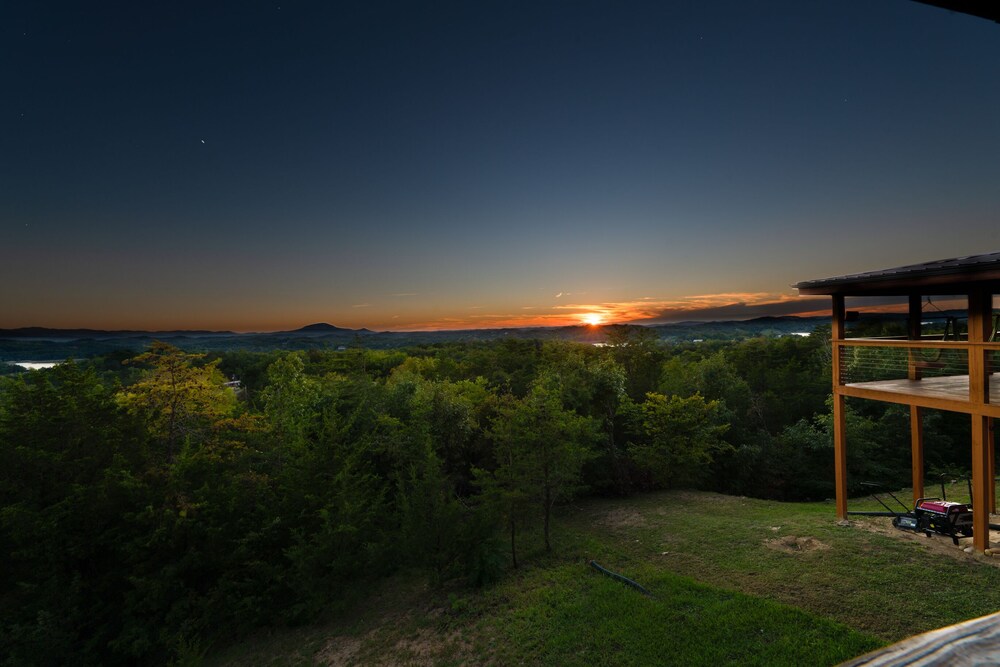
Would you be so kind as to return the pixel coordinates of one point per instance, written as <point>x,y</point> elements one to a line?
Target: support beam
<point>980,325</point>
<point>837,335</point>
<point>917,451</point>
<point>981,480</point>
<point>839,413</point>
<point>913,333</point>
<point>916,412</point>
<point>993,464</point>
<point>840,454</point>
<point>980,319</point>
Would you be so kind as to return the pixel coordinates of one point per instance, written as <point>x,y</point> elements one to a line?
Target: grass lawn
<point>735,581</point>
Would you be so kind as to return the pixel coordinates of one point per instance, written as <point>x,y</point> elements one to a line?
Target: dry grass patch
<point>620,517</point>
<point>790,544</point>
<point>339,651</point>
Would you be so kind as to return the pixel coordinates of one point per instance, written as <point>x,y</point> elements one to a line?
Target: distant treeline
<point>148,509</point>
<point>36,344</point>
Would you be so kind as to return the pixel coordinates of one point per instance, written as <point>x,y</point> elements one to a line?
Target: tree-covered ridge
<point>48,344</point>
<point>147,510</point>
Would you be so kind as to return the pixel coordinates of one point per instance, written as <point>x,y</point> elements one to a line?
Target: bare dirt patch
<point>339,651</point>
<point>939,544</point>
<point>790,544</point>
<point>403,622</point>
<point>427,646</point>
<point>623,518</point>
<point>422,647</point>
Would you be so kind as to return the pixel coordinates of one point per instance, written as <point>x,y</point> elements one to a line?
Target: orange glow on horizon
<point>641,310</point>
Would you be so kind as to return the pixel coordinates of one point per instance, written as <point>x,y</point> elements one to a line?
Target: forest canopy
<point>155,502</point>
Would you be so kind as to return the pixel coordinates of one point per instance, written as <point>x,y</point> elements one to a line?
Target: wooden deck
<point>975,642</point>
<point>946,392</point>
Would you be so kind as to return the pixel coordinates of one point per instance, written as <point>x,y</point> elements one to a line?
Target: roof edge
<point>967,271</point>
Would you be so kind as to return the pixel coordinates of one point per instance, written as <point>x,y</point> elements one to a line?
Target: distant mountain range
<point>323,328</point>
<point>41,344</point>
<point>63,334</point>
<point>44,332</point>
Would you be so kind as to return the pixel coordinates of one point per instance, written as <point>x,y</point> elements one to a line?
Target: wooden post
<point>913,333</point>
<point>839,414</point>
<point>980,316</point>
<point>980,319</point>
<point>980,479</point>
<point>837,335</point>
<point>840,455</point>
<point>916,413</point>
<point>988,371</point>
<point>917,451</point>
<point>993,464</point>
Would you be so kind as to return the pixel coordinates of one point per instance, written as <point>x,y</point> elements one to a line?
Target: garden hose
<point>625,580</point>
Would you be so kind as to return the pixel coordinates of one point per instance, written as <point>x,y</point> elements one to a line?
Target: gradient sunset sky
<point>410,165</point>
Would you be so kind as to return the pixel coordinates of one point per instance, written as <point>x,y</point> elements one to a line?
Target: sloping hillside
<point>735,580</point>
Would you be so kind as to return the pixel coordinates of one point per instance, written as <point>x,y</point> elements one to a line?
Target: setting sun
<point>593,319</point>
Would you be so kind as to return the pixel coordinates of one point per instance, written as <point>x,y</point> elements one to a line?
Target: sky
<point>443,165</point>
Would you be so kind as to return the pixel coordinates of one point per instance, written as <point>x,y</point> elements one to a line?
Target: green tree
<point>788,378</point>
<point>638,351</point>
<point>176,398</point>
<point>430,516</point>
<point>679,437</point>
<point>291,401</point>
<point>713,377</point>
<point>594,386</point>
<point>541,449</point>
<point>878,450</point>
<point>67,457</point>
<point>451,414</point>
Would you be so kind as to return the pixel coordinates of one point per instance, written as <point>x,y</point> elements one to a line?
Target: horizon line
<point>304,328</point>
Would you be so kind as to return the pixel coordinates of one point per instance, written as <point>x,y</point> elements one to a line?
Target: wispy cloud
<point>361,305</point>
<point>495,321</point>
<point>731,307</point>
<point>722,306</point>
<point>743,306</point>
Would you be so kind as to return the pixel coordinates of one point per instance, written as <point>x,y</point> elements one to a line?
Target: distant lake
<point>34,365</point>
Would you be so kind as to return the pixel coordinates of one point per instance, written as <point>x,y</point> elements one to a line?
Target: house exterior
<point>952,373</point>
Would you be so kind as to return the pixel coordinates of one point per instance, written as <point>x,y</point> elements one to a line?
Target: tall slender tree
<point>541,449</point>
<point>176,397</point>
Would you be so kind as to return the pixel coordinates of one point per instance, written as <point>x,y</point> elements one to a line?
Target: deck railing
<point>890,363</point>
<point>870,360</point>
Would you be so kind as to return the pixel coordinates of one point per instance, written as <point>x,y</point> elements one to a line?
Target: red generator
<point>945,518</point>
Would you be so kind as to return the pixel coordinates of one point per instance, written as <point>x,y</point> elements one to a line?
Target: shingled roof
<point>942,276</point>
